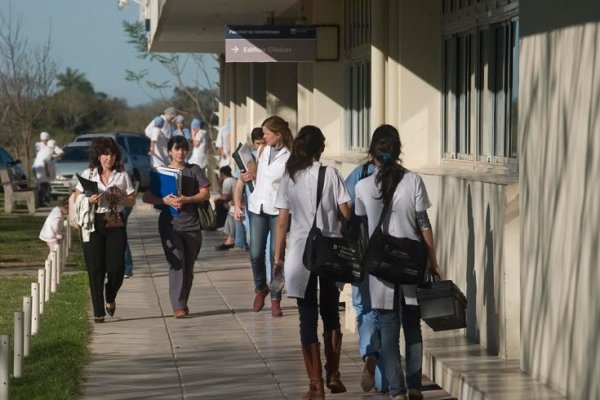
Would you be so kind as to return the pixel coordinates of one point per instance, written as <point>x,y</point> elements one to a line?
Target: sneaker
<point>415,394</point>
<point>239,248</point>
<point>224,246</point>
<point>127,276</point>
<point>367,381</point>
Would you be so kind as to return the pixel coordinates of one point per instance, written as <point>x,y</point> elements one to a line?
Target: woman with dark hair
<point>298,195</point>
<point>104,249</point>
<point>261,206</point>
<point>180,234</point>
<point>405,196</point>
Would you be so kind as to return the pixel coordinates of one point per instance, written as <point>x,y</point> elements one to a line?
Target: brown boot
<point>276,308</point>
<point>259,299</point>
<point>312,362</point>
<point>333,349</point>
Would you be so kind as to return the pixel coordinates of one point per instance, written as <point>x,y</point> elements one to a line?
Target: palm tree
<point>72,79</point>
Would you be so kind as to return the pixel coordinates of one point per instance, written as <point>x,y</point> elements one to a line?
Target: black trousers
<point>105,260</point>
<point>309,307</point>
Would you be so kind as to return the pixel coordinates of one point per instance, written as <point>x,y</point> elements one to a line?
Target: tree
<point>202,102</point>
<point>73,80</point>
<point>26,77</point>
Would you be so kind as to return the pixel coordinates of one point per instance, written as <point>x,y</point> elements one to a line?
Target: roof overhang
<point>197,26</point>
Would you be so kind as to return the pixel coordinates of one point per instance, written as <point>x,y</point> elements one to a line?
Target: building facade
<point>498,107</point>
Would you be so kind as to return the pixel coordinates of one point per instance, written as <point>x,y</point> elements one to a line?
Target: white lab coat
<point>409,198</point>
<point>300,198</point>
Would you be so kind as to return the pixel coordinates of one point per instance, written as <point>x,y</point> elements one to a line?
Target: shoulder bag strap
<point>365,170</point>
<point>387,208</point>
<point>320,183</point>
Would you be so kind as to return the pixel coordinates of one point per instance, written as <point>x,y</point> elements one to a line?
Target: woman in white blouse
<point>297,196</point>
<point>261,206</point>
<point>104,252</point>
<point>405,194</point>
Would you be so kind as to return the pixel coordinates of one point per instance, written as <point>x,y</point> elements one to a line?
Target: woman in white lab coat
<point>297,196</point>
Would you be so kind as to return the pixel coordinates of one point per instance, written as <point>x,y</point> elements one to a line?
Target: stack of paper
<point>245,160</point>
<point>163,182</point>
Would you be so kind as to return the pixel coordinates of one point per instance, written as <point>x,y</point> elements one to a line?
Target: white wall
<point>559,146</point>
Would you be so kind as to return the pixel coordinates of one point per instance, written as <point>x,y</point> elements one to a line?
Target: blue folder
<point>164,182</point>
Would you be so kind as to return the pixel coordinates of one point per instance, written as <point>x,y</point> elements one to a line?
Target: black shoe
<point>224,246</point>
<point>111,310</point>
<point>98,320</point>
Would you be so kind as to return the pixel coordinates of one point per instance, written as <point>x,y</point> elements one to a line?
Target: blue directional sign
<point>270,43</point>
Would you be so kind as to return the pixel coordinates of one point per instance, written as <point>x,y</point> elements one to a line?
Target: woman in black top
<point>180,234</point>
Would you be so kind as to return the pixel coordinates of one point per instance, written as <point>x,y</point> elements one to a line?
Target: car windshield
<point>75,154</point>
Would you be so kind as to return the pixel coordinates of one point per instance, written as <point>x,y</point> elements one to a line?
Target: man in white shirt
<point>159,138</point>
<point>41,167</point>
<point>223,144</point>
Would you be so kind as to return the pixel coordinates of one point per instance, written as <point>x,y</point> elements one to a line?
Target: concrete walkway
<point>223,351</point>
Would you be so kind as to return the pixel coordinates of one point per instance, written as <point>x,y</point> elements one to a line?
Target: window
<point>357,42</point>
<point>480,92</point>
<point>359,107</point>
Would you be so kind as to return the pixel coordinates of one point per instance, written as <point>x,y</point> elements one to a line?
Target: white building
<point>498,106</point>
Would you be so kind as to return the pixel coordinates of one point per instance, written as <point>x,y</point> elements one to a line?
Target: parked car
<point>137,146</point>
<point>75,159</point>
<point>7,161</point>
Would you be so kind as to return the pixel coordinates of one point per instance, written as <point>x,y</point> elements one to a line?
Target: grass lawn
<point>59,351</point>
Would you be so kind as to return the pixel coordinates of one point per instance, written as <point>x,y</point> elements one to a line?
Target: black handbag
<point>397,260</point>
<point>335,258</point>
<point>207,216</point>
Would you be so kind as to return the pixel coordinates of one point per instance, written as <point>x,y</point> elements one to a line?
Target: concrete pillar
<point>378,57</point>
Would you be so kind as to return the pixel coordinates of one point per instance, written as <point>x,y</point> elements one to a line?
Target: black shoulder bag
<point>397,260</point>
<point>335,258</point>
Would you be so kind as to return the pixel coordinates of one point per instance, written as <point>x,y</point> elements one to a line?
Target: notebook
<point>89,187</point>
<point>163,182</point>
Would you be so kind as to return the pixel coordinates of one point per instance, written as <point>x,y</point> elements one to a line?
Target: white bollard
<point>54,271</point>
<point>41,288</point>
<point>35,307</point>
<point>59,257</point>
<point>48,270</point>
<point>18,345</point>
<point>26,324</point>
<point>4,368</point>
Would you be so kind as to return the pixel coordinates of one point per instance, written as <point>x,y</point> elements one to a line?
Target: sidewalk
<point>223,351</point>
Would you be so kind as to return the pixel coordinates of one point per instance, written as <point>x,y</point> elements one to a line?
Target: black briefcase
<point>442,305</point>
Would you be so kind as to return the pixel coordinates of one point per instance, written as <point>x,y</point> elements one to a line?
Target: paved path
<point>223,351</point>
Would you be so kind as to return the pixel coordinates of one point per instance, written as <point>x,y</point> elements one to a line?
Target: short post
<point>26,324</point>
<point>4,371</point>
<point>48,270</point>
<point>41,288</point>
<point>18,345</point>
<point>54,271</point>
<point>59,262</point>
<point>35,307</point>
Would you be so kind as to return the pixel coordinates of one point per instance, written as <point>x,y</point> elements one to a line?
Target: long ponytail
<point>386,148</point>
<point>307,147</point>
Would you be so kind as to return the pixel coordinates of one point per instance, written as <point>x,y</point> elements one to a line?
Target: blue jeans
<point>309,308</point>
<point>128,258</point>
<point>369,337</point>
<point>390,321</point>
<point>241,240</point>
<point>260,226</point>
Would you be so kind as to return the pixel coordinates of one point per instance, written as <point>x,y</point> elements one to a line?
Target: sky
<point>87,35</point>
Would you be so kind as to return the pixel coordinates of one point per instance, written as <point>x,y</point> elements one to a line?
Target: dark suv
<point>137,146</point>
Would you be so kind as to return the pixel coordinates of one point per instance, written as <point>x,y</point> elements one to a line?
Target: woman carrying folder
<point>104,252</point>
<point>179,224</point>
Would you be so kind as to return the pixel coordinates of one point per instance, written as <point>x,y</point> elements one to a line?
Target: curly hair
<point>281,128</point>
<point>308,146</point>
<point>105,146</point>
<point>386,148</point>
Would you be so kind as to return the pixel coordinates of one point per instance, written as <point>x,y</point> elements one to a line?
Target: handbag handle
<point>320,183</point>
<point>387,207</point>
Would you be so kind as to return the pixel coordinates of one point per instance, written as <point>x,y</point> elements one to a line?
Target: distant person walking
<point>180,129</point>
<point>180,234</point>
<point>104,248</point>
<point>159,138</point>
<point>297,196</point>
<point>261,206</point>
<point>42,167</point>
<point>223,143</point>
<point>201,145</point>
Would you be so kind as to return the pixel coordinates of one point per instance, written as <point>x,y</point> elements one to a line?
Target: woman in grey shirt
<point>180,234</point>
